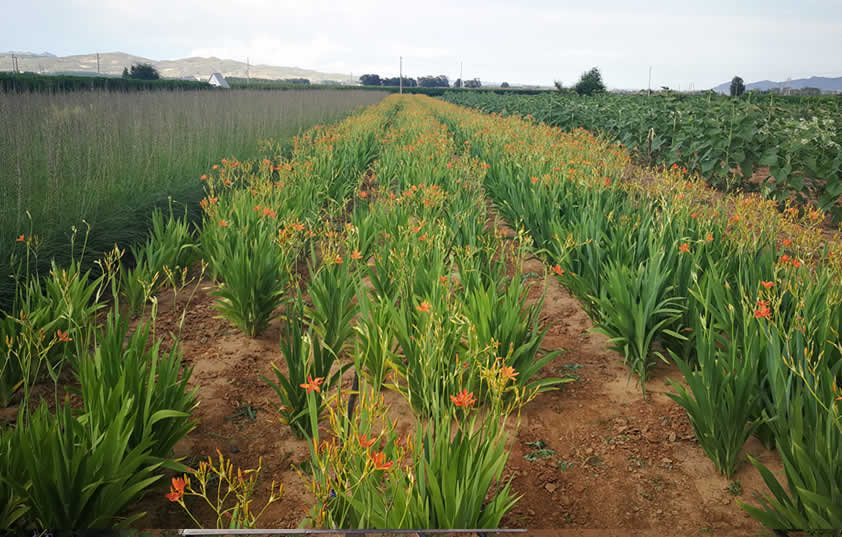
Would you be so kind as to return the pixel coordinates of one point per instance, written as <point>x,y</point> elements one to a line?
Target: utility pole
<point>649,90</point>
<point>97,63</point>
<point>461,81</point>
<point>401,76</point>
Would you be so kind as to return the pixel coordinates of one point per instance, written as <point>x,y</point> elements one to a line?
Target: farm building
<point>218,80</point>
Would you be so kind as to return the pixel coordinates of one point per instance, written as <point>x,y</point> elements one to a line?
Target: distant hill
<point>113,63</point>
<point>823,83</point>
<point>22,54</point>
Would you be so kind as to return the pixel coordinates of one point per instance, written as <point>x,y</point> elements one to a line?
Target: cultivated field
<point>110,158</point>
<point>782,147</point>
<point>426,316</point>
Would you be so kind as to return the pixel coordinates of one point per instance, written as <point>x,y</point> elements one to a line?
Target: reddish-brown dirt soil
<point>620,462</point>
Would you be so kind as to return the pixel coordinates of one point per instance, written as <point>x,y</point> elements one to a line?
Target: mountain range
<point>113,63</point>
<point>823,83</point>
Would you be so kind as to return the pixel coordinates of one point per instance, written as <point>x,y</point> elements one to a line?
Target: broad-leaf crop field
<point>425,316</point>
<point>783,147</point>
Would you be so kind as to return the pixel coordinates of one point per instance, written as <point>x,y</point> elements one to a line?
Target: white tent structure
<point>218,81</point>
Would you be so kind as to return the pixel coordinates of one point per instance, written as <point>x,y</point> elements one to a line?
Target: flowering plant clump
<point>235,490</point>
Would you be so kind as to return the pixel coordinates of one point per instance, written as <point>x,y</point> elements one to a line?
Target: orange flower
<point>424,307</point>
<point>709,237</point>
<point>463,399</point>
<point>257,208</point>
<point>786,242</point>
<point>203,177</point>
<point>607,181</point>
<point>312,384</point>
<point>365,442</point>
<point>223,223</point>
<point>363,194</point>
<point>215,166</point>
<point>796,263</point>
<point>19,239</point>
<point>176,489</point>
<point>693,215</point>
<point>534,180</point>
<point>784,258</point>
<point>443,279</point>
<point>767,285</point>
<point>338,259</point>
<point>509,373</point>
<point>356,255</point>
<point>379,460</point>
<point>423,237</point>
<point>227,182</point>
<point>557,269</point>
<point>763,312</point>
<point>684,248</point>
<point>269,212</point>
<point>63,336</point>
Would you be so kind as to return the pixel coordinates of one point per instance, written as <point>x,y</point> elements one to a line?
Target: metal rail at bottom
<point>362,533</point>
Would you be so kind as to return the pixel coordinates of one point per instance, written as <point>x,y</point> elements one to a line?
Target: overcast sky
<point>702,43</point>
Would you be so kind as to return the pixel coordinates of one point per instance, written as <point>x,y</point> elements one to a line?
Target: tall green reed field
<point>109,159</point>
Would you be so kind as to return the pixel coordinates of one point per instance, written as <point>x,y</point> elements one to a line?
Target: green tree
<point>371,80</point>
<point>475,83</point>
<point>590,83</point>
<point>142,71</point>
<point>440,81</point>
<point>737,87</point>
<point>504,85</point>
<point>396,81</point>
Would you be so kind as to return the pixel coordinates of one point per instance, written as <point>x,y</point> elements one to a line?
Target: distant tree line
<point>793,91</point>
<point>440,81</point>
<point>268,81</point>
<point>475,83</point>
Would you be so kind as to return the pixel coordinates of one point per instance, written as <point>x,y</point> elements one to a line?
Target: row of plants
<point>407,289</point>
<point>725,140</point>
<point>83,451</point>
<point>742,294</point>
